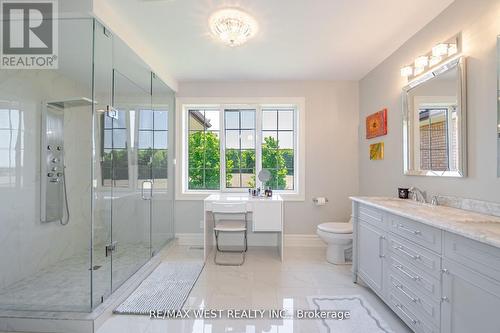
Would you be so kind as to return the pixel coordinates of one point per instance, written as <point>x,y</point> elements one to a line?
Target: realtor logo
<point>29,34</point>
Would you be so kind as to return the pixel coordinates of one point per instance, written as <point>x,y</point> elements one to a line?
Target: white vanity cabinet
<point>435,280</point>
<point>371,258</point>
<point>371,237</point>
<point>471,286</point>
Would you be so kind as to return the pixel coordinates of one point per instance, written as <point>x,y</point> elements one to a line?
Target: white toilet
<point>338,237</point>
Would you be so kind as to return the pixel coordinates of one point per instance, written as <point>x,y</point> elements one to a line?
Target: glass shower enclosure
<point>86,170</point>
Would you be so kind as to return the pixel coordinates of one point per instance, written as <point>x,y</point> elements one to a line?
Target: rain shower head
<point>71,103</point>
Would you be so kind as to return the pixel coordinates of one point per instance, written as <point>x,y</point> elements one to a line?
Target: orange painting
<point>376,124</point>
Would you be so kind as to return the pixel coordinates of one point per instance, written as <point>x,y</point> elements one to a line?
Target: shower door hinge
<point>110,248</point>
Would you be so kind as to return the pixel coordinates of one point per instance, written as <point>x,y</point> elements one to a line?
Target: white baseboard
<point>303,240</point>
<point>291,240</point>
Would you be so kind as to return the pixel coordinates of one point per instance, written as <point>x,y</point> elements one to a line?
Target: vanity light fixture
<point>452,49</point>
<point>440,50</point>
<point>232,26</point>
<point>434,60</point>
<point>439,54</point>
<point>406,71</point>
<point>421,62</point>
<point>418,70</point>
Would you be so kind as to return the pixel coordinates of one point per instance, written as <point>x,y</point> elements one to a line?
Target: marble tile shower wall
<point>26,244</point>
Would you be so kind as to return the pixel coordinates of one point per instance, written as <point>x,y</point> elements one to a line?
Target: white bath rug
<point>363,318</point>
<point>166,288</point>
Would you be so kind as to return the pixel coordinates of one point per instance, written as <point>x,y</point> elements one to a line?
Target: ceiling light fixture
<point>232,26</point>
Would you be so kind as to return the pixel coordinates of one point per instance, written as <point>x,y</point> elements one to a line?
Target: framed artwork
<point>376,124</point>
<point>377,151</point>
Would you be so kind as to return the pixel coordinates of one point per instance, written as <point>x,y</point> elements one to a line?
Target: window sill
<point>202,195</point>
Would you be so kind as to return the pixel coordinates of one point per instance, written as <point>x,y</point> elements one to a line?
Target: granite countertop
<point>481,227</point>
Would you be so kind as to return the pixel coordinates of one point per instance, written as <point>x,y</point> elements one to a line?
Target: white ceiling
<point>297,40</point>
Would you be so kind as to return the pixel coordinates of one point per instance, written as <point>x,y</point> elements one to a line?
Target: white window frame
<point>184,104</point>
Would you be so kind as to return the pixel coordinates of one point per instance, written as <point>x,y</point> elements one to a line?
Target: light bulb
<point>440,50</point>
<point>421,61</point>
<point>406,71</point>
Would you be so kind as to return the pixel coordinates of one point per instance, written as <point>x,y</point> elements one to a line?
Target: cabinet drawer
<point>415,321</point>
<point>415,277</point>
<point>415,300</point>
<point>371,215</point>
<point>481,257</point>
<point>416,255</point>
<point>427,236</point>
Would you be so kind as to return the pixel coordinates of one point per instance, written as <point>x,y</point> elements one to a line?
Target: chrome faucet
<point>417,194</point>
<point>434,200</point>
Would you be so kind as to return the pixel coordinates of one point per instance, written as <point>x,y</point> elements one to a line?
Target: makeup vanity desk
<point>265,216</point>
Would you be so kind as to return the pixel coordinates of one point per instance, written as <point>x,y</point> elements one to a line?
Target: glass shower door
<point>130,247</point>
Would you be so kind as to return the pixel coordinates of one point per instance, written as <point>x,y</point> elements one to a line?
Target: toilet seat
<point>336,227</point>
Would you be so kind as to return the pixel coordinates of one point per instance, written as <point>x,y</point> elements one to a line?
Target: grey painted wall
<point>479,23</point>
<point>331,148</point>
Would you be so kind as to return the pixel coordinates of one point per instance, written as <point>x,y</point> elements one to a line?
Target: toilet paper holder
<point>317,201</point>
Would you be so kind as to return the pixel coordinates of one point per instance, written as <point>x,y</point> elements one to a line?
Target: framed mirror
<point>434,122</point>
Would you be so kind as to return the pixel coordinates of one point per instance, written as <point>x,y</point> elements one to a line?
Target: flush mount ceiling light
<point>232,26</point>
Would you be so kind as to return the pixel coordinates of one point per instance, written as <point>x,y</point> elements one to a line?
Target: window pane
<point>233,139</point>
<point>212,179</point>
<point>247,159</point>
<point>160,120</point>
<point>232,119</point>
<point>247,178</point>
<point>108,121</point>
<point>196,146</point>
<point>145,139</point>
<point>232,159</point>
<point>289,179</point>
<point>285,119</point>
<point>212,122</point>
<point>212,150</point>
<point>233,178</point>
<point>273,138</point>
<point>247,139</point>
<point>146,119</point>
<point>248,119</point>
<point>108,141</point>
<point>269,120</point>
<point>121,122</point>
<point>160,140</point>
<point>285,140</point>
<point>196,179</point>
<point>196,120</point>
<point>119,138</point>
<point>288,157</point>
<point>270,158</point>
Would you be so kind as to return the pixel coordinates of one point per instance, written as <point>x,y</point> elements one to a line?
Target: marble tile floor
<point>65,285</point>
<point>263,282</point>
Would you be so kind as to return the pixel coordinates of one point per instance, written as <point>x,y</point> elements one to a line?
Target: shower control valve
<point>59,174</point>
<point>50,174</point>
<point>59,148</point>
<point>49,147</point>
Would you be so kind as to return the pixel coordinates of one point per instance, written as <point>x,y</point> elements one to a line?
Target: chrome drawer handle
<point>415,232</point>
<point>400,248</point>
<point>400,287</point>
<point>401,269</point>
<point>381,247</point>
<point>400,306</point>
